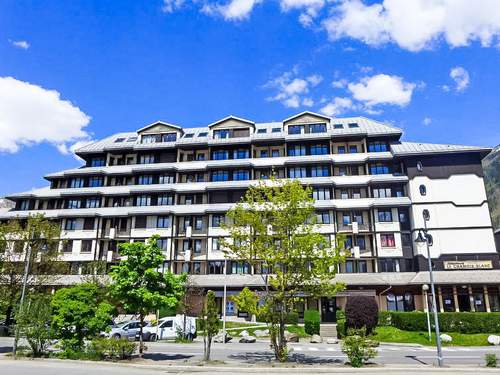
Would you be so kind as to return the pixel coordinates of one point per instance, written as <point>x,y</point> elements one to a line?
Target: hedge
<point>462,322</point>
<point>311,322</point>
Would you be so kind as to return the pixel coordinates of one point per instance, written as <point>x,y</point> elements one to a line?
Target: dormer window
<point>338,126</point>
<point>203,134</point>
<point>189,135</point>
<point>261,131</point>
<point>221,134</point>
<point>276,130</point>
<point>295,129</point>
<point>353,125</point>
<point>169,137</point>
<point>317,128</point>
<point>119,140</point>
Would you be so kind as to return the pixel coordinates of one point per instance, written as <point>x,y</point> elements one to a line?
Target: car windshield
<point>119,325</point>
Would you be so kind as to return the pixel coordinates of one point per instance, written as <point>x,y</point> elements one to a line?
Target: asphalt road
<point>170,353</point>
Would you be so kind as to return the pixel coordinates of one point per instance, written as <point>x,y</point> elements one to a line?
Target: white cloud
<point>292,90</point>
<point>461,78</point>
<point>170,6</point>
<point>309,9</point>
<point>30,114</point>
<point>235,10</point>
<point>340,83</point>
<point>20,44</point>
<point>416,24</point>
<point>337,106</point>
<point>382,89</point>
<point>427,121</point>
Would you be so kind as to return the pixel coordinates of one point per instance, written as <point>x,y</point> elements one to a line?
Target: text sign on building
<point>468,265</point>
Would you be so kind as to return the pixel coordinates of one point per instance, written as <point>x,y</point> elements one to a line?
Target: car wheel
<point>116,336</point>
<point>153,337</point>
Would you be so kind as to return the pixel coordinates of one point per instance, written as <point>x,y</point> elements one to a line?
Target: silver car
<point>126,330</point>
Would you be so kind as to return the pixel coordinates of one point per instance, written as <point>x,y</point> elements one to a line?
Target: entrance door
<point>464,302</point>
<point>328,310</point>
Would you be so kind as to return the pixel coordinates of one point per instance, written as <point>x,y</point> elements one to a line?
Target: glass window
<point>264,153</point>
<point>240,267</point>
<point>197,246</point>
<point>358,217</point>
<point>74,203</point>
<point>162,222</point>
<point>261,131</point>
<point>361,243</point>
<point>149,138</point>
<point>381,192</point>
<point>353,149</point>
<point>70,224</point>
<point>297,172</point>
<point>221,134</point>
<point>241,175</point>
<point>297,150</point>
<point>170,137</point>
<point>216,244</point>
<point>349,266</point>
<point>165,200</point>
<point>341,149</point>
<point>276,130</point>
<point>166,179</point>
<point>86,246</point>
<point>217,220</point>
<point>96,181</point>
<point>200,156</point>
<point>143,200</point>
<point>275,153</point>
<point>353,125</point>
<point>384,216</point>
<point>321,194</point>
<point>97,162</point>
<point>198,223</point>
<point>317,128</point>
<point>162,243</point>
<point>146,159</point>
<point>323,217</point>
<point>362,266</point>
<point>220,176</point>
<point>346,218</point>
<point>189,135</point>
<point>220,155</point>
<point>216,267</point>
<point>320,171</point>
<point>379,169</point>
<point>295,129</point>
<point>67,246</point>
<point>356,193</point>
<point>241,154</point>
<point>377,147</point>
<point>338,126</point>
<point>203,134</point>
<point>76,183</point>
<point>145,180</point>
<point>319,150</point>
<point>92,202</point>
<point>387,240</point>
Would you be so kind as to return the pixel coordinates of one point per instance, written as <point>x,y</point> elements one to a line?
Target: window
<point>147,159</point>
<point>97,162</point>
<point>189,135</point>
<point>356,193</point>
<point>197,246</point>
<point>70,224</point>
<point>166,179</point>
<point>92,202</point>
<point>198,223</point>
<point>341,149</point>
<point>353,149</point>
<point>384,216</point>
<point>88,223</point>
<point>317,128</point>
<point>338,126</point>
<point>276,130</point>
<point>342,170</point>
<point>297,172</point>
<point>200,156</point>
<point>419,166</point>
<point>169,137</point>
<point>203,134</point>
<point>220,155</point>
<point>145,180</point>
<point>344,194</point>
<point>74,203</point>
<point>388,265</point>
<point>189,199</point>
<point>216,244</point>
<point>186,245</point>
<point>297,150</point>
<point>240,268</point>
<point>323,217</point>
<point>379,168</point>
<point>264,153</point>
<point>149,138</point>
<point>217,220</point>
<point>361,243</point>
<point>220,176</point>
<point>221,134</point>
<point>76,183</point>
<point>423,190</point>
<point>96,181</point>
<point>216,267</point>
<point>387,240</point>
<point>381,192</point>
<point>358,217</point>
<point>346,218</point>
<point>143,200</point>
<point>377,147</point>
<point>295,129</point>
<point>275,153</point>
<point>119,140</point>
<point>25,205</point>
<point>261,131</point>
<point>403,216</point>
<point>241,154</point>
<point>162,243</point>
<point>86,246</point>
<point>406,239</point>
<point>132,139</point>
<point>320,171</point>
<point>400,302</point>
<point>353,125</point>
<point>319,150</point>
<point>165,200</point>
<point>67,246</point>
<point>349,266</point>
<point>321,194</point>
<point>162,222</point>
<point>241,175</point>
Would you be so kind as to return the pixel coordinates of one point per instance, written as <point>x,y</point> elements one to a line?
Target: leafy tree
<point>209,323</point>
<point>79,312</point>
<point>358,348</point>
<point>37,237</point>
<point>361,311</point>
<point>33,321</point>
<point>273,229</point>
<point>139,286</point>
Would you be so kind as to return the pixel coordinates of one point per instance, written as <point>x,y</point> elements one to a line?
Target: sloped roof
<point>408,148</point>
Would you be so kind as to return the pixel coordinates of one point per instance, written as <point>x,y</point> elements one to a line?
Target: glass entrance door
<point>328,310</point>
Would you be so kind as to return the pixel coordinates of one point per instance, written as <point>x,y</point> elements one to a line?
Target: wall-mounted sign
<point>468,265</point>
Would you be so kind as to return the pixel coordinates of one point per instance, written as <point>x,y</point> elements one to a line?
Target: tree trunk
<point>141,342</point>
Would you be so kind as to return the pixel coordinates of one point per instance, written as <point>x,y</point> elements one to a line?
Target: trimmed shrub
<point>339,315</point>
<point>341,331</point>
<point>384,318</point>
<point>361,311</point>
<point>104,348</point>
<point>311,322</point>
<point>292,318</point>
<point>358,348</point>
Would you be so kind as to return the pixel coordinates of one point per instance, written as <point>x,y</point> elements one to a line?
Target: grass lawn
<point>392,334</point>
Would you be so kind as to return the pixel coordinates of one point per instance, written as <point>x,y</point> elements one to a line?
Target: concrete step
<point>328,330</point>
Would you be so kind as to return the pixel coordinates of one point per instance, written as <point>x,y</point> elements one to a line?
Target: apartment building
<point>367,184</point>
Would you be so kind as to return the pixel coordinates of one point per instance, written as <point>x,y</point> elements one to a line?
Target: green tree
<point>33,240</point>
<point>33,321</point>
<point>273,229</point>
<point>209,323</point>
<point>139,286</point>
<point>79,312</point>
<point>358,348</point>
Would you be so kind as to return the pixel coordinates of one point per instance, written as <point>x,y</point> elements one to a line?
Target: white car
<point>169,328</point>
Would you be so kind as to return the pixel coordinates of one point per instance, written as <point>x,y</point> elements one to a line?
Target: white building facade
<point>368,185</point>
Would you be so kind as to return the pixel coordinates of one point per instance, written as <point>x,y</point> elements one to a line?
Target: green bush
<point>462,322</point>
<point>384,318</point>
<point>104,348</point>
<point>311,322</point>
<point>491,360</point>
<point>358,348</point>
<point>292,318</point>
<point>341,329</point>
<point>340,315</point>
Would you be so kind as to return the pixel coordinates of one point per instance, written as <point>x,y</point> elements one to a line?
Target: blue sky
<point>72,71</point>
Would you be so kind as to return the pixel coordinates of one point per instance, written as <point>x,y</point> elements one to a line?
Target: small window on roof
<point>338,126</point>
<point>202,134</point>
<point>118,140</point>
<point>189,135</point>
<point>276,130</point>
<point>353,125</point>
<point>132,139</point>
<point>261,131</point>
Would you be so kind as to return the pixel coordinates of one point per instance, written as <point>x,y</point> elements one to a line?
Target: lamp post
<point>423,237</point>
<point>425,289</point>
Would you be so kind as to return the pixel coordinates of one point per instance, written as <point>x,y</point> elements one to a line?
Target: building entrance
<point>328,310</point>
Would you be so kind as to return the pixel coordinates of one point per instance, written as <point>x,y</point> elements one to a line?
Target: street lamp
<point>422,237</point>
<point>425,289</point>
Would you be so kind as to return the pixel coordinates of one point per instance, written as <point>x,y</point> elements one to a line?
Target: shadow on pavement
<point>256,357</point>
<point>165,357</point>
<point>415,358</point>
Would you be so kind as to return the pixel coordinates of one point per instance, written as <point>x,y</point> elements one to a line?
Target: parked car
<point>5,330</point>
<point>169,328</point>
<point>128,330</point>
